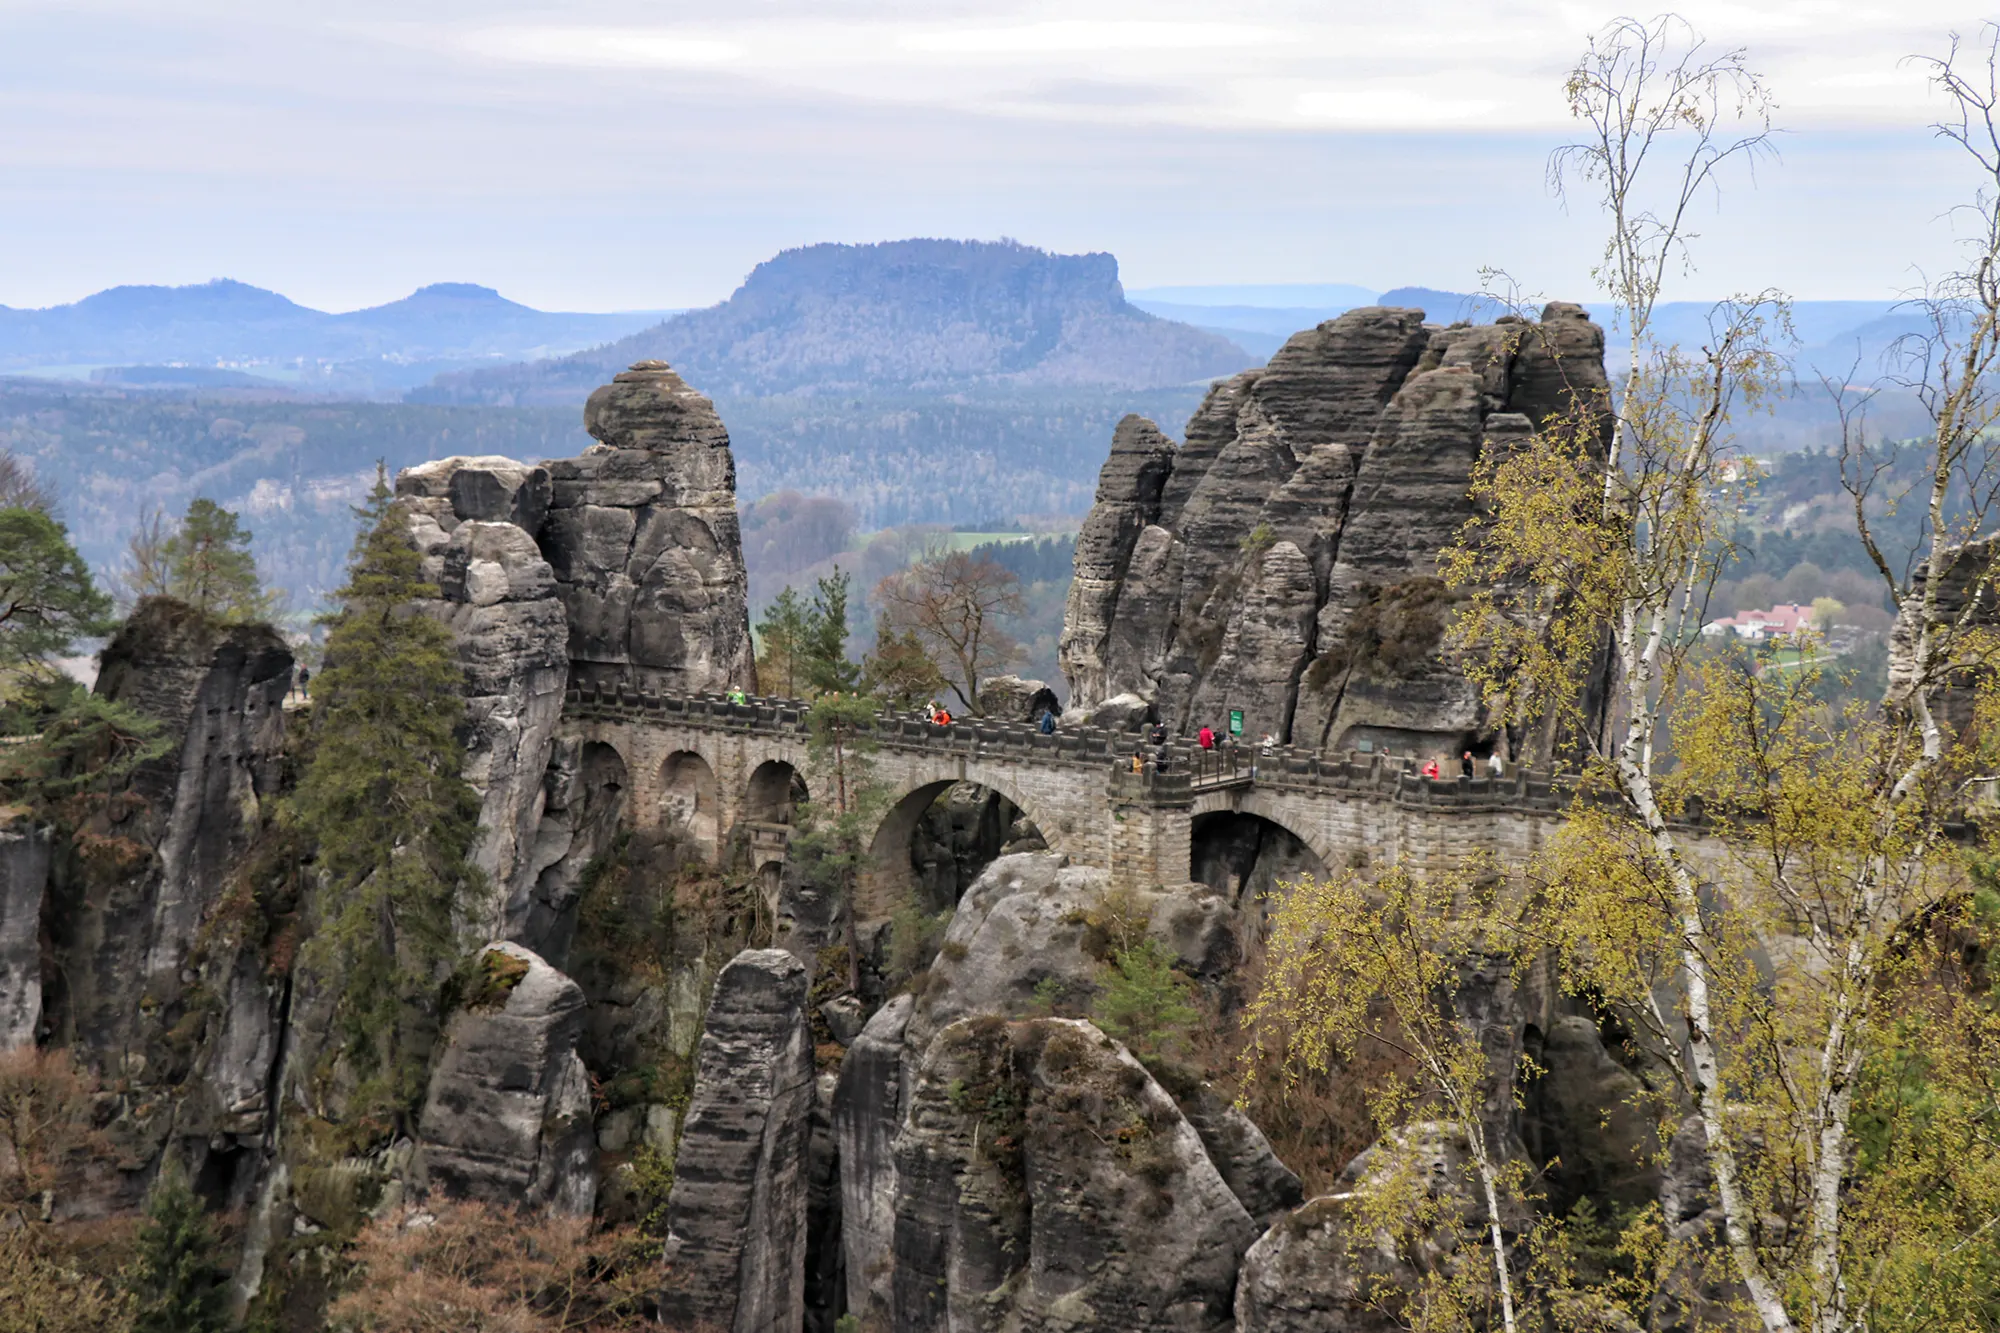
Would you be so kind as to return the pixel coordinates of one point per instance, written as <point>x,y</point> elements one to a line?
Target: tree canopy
<point>385,805</point>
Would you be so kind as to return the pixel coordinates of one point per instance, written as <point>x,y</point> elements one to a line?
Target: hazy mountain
<point>916,315</point>
<point>232,324</point>
<point>1266,296</point>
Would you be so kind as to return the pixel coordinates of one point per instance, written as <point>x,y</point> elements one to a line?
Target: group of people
<point>1467,767</point>
<point>935,715</point>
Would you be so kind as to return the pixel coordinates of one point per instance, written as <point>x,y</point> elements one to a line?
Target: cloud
<point>1071,36</point>
<point>1277,64</point>
<point>636,47</point>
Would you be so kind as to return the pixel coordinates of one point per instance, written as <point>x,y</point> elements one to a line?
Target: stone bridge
<point>727,775</point>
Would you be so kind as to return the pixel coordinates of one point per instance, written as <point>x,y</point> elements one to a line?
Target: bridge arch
<point>1245,847</point>
<point>774,792</point>
<point>889,879</point>
<point>690,800</point>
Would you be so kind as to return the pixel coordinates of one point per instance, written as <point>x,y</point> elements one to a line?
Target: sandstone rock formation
<point>736,1220</point>
<point>642,535</point>
<point>508,1117</point>
<point>474,519</point>
<point>1030,933</point>
<point>24,879</point>
<point>1282,560</point>
<point>1044,1180</point>
<point>868,1108</point>
<point>123,942</point>
<point>1316,1271</point>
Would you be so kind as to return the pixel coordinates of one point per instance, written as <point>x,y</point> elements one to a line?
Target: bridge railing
<point>1282,768</point>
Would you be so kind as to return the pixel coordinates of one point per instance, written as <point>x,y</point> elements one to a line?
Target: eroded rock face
<point>508,1117</point>
<point>123,946</point>
<point>474,519</point>
<point>1302,516</point>
<point>24,877</point>
<point>868,1107</point>
<point>736,1220</point>
<point>1045,1180</point>
<point>642,535</point>
<point>1317,1271</point>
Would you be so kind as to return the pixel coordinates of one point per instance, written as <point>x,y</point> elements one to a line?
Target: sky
<point>594,155</point>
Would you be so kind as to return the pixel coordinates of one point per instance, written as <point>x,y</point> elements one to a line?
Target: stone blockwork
<point>1282,560</point>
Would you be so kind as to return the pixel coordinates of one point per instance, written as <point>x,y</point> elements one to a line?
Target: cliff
<point>1282,559</point>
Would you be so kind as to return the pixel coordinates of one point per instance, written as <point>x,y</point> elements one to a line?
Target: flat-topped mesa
<point>642,535</point>
<point>1283,560</point>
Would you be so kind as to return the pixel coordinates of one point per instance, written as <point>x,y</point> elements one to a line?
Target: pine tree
<point>175,1282</point>
<point>47,598</point>
<point>208,565</point>
<point>826,664</point>
<point>387,808</point>
<point>781,639</point>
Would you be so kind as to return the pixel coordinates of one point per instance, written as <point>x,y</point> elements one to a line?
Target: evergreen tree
<point>175,1281</point>
<point>385,803</point>
<point>208,565</point>
<point>781,638</point>
<point>899,672</point>
<point>802,645</point>
<point>47,599</point>
<point>826,664</point>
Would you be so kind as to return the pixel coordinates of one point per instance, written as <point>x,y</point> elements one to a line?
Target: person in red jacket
<point>1205,738</point>
<point>1431,769</point>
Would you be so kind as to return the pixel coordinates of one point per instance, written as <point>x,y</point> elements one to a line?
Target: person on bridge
<point>1138,761</point>
<point>1495,766</point>
<point>931,711</point>
<point>1205,737</point>
<point>1048,723</point>
<point>736,695</point>
<point>1465,765</point>
<point>1431,769</point>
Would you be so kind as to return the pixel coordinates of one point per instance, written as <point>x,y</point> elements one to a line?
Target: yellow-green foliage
<point>1353,965</point>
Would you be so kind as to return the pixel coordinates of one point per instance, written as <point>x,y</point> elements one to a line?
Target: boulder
<point>1045,1180</point>
<point>1316,1271</point>
<point>1592,1121</point>
<point>1121,712</point>
<point>1265,1186</point>
<point>507,1118</point>
<point>1024,932</point>
<point>1011,699</point>
<point>736,1218</point>
<point>642,535</point>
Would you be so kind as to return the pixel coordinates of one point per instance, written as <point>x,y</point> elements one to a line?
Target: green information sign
<point>1236,722</point>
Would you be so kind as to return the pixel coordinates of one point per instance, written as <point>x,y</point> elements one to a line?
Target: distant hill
<point>901,316</point>
<point>232,325</point>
